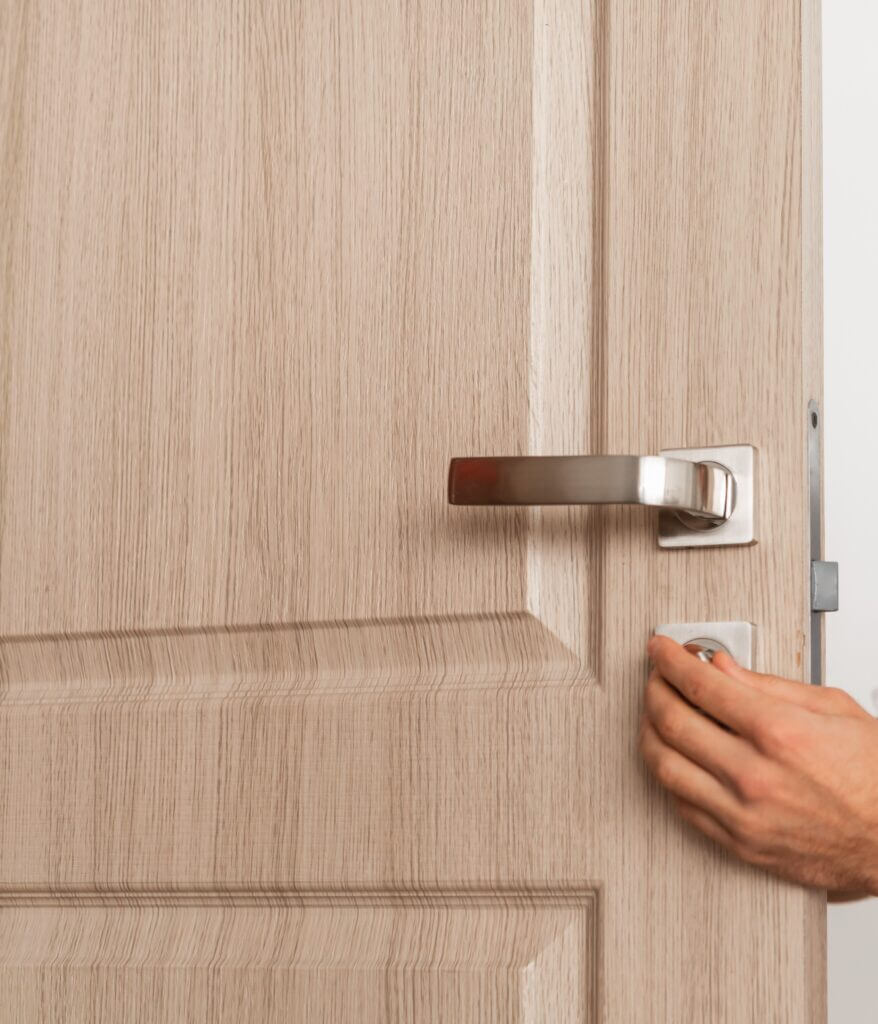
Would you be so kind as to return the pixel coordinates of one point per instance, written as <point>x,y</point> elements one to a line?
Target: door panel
<point>283,735</point>
<point>370,960</point>
<point>289,261</point>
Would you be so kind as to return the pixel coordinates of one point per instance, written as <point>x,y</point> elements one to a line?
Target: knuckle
<point>647,747</point>
<point>779,734</point>
<point>840,700</point>
<point>749,829</point>
<point>663,713</point>
<point>642,743</point>
<point>663,770</point>
<point>667,722</point>
<point>736,826</point>
<point>752,786</point>
<point>750,853</point>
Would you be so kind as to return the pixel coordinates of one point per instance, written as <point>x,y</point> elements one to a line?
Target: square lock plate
<point>738,638</point>
<point>740,528</point>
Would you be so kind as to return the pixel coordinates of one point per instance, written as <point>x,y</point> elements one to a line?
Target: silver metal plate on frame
<point>740,528</point>
<point>824,586</point>
<point>738,638</point>
<point>824,575</point>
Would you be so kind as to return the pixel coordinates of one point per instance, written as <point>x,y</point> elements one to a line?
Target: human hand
<point>792,787</point>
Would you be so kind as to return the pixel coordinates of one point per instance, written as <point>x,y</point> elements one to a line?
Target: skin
<point>790,784</point>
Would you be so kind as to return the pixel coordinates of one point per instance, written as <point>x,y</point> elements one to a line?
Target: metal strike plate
<point>824,575</point>
<point>737,638</point>
<point>679,531</point>
<point>824,586</point>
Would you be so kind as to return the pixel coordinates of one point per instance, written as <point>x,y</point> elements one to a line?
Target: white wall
<point>850,130</point>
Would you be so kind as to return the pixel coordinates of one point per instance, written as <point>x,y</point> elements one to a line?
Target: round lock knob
<point>705,648</point>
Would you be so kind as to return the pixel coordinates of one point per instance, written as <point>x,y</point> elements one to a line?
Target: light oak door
<point>283,736</point>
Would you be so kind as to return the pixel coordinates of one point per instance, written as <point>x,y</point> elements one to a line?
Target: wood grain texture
<point>812,380</point>
<point>403,655</point>
<point>289,261</point>
<point>263,270</point>
<point>350,959</point>
<point>710,338</point>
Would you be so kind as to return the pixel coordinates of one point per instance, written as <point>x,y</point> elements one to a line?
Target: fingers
<point>796,693</point>
<point>724,697</point>
<point>707,824</point>
<point>820,699</point>
<point>689,732</point>
<point>684,778</point>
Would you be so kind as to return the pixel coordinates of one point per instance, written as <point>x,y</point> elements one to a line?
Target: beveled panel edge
<point>583,900</point>
<point>584,895</point>
<point>63,936</point>
<point>432,654</point>
<point>568,358</point>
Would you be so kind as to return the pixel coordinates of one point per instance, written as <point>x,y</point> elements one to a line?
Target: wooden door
<point>284,737</point>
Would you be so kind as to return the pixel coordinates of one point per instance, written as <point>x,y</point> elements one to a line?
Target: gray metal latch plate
<point>824,586</point>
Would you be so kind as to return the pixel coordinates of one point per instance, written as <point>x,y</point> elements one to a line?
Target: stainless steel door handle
<point>705,492</point>
<point>701,489</point>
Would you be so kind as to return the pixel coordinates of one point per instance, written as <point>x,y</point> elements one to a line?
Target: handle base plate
<point>740,528</point>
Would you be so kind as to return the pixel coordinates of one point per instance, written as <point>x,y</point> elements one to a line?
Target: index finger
<point>723,697</point>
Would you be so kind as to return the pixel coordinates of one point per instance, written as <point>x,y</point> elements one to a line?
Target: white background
<point>850,137</point>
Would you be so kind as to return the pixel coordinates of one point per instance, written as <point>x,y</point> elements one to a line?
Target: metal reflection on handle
<point>703,490</point>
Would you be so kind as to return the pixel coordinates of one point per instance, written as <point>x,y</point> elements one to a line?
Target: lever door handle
<point>706,493</point>
<point>702,489</point>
